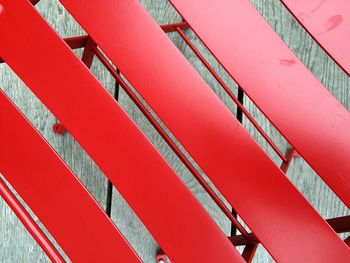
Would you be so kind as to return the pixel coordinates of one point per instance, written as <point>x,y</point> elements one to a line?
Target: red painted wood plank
<point>55,194</point>
<point>92,116</point>
<point>328,22</point>
<point>303,110</point>
<point>272,207</point>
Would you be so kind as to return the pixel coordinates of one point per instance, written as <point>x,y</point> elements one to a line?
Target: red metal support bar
<point>170,142</point>
<point>88,54</point>
<point>173,27</point>
<point>239,240</point>
<point>239,117</point>
<point>286,164</point>
<point>347,241</point>
<point>249,252</point>
<point>339,224</point>
<point>230,94</point>
<point>77,42</point>
<point>29,223</point>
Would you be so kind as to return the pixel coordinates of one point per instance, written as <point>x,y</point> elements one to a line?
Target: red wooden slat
<point>277,213</point>
<point>310,118</point>
<point>90,113</point>
<point>55,195</point>
<point>328,22</point>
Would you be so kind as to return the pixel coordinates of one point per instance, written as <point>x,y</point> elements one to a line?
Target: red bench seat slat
<point>276,212</point>
<point>290,96</point>
<point>57,76</point>
<point>328,22</point>
<point>55,195</point>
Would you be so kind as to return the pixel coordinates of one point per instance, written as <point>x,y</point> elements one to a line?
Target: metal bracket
<point>58,128</point>
<point>161,257</point>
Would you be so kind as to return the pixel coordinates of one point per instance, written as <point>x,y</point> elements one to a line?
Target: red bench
<point>271,75</point>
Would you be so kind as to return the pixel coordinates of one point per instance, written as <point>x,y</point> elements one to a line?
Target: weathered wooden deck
<point>16,244</point>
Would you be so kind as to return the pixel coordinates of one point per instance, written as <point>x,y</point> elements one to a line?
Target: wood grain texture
<point>16,245</point>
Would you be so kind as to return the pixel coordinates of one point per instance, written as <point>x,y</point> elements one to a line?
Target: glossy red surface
<point>57,76</point>
<point>328,22</point>
<point>303,110</point>
<point>277,213</point>
<point>29,223</point>
<point>54,193</point>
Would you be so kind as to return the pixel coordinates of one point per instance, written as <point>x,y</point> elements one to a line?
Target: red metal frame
<point>80,97</point>
<point>282,87</point>
<point>340,225</point>
<point>249,240</point>
<point>59,128</point>
<point>166,91</point>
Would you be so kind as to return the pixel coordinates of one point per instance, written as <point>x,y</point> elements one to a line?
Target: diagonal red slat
<point>54,193</point>
<point>328,22</point>
<point>29,223</point>
<point>82,104</point>
<point>249,180</point>
<point>291,97</point>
